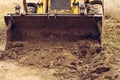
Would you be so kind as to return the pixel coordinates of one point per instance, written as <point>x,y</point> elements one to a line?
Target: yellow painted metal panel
<point>39,9</point>
<point>44,5</point>
<point>75,8</point>
<point>42,8</point>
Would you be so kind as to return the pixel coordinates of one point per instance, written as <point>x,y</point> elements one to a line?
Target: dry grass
<point>111,29</point>
<point>112,9</point>
<point>111,38</point>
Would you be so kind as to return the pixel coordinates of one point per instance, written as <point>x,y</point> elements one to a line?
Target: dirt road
<point>10,70</point>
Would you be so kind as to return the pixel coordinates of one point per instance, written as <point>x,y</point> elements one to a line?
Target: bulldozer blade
<point>44,27</point>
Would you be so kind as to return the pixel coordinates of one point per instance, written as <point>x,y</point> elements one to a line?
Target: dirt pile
<point>79,60</point>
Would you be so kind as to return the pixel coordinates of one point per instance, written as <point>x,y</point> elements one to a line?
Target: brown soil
<point>79,60</point>
<point>11,70</point>
<point>63,61</point>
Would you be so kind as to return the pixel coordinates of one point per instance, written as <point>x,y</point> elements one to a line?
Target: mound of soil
<point>81,60</point>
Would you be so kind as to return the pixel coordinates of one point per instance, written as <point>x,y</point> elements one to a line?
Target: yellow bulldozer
<point>58,20</point>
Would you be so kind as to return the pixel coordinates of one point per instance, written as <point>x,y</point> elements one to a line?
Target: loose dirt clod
<point>68,61</point>
<point>80,60</point>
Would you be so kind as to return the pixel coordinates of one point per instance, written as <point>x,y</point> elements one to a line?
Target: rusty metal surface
<point>57,28</point>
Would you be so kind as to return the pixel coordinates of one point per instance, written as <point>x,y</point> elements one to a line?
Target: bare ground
<point>64,61</point>
<point>59,63</point>
<point>10,70</point>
